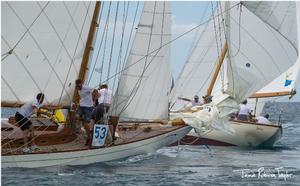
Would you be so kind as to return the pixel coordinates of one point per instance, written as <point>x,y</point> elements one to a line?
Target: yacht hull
<point>247,134</point>
<point>88,156</point>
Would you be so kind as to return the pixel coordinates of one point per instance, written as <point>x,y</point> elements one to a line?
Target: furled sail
<point>42,48</point>
<point>145,81</point>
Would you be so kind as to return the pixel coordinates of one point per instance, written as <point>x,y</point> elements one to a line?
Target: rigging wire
<point>193,70</point>
<point>105,40</point>
<point>25,68</point>
<point>222,71</point>
<point>72,59</point>
<point>215,28</point>
<point>197,34</point>
<point>119,60</point>
<point>135,88</point>
<point>56,61</point>
<point>10,88</point>
<point>239,25</point>
<point>27,30</point>
<point>126,55</point>
<point>158,78</point>
<point>164,45</point>
<point>100,45</point>
<point>176,39</point>
<point>113,40</point>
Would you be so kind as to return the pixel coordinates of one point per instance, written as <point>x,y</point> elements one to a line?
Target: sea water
<point>186,165</point>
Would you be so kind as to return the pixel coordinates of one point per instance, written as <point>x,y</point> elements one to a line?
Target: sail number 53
<point>100,133</point>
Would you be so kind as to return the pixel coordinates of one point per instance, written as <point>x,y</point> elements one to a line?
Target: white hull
<point>246,134</point>
<point>82,157</point>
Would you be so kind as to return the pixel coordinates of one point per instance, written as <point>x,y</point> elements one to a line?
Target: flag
<point>287,82</point>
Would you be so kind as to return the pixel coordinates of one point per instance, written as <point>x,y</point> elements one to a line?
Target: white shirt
<point>27,109</point>
<point>194,103</point>
<point>261,119</point>
<point>244,110</point>
<point>105,96</point>
<point>86,98</point>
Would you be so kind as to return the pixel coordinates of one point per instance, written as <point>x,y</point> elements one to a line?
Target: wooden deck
<point>126,133</point>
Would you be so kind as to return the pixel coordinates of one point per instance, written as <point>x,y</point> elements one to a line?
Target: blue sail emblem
<point>288,80</point>
<point>287,83</point>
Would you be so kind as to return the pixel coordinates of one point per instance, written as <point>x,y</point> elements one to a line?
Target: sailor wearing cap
<point>196,101</point>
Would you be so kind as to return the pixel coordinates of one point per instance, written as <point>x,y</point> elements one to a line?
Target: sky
<point>186,15</point>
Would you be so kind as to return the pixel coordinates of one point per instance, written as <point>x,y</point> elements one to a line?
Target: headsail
<point>144,84</point>
<point>41,52</point>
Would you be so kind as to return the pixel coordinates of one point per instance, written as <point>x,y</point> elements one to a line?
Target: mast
<point>217,70</point>
<point>88,48</point>
<point>86,55</point>
<point>221,57</point>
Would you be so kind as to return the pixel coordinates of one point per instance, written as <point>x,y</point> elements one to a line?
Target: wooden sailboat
<point>255,56</point>
<point>50,50</point>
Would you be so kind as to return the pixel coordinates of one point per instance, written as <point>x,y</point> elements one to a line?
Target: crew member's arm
<point>95,95</point>
<point>184,99</point>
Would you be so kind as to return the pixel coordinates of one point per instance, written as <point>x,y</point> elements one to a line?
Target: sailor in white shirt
<point>196,101</point>
<point>263,119</point>
<point>244,111</point>
<point>104,102</point>
<point>86,106</point>
<point>105,95</point>
<point>22,117</point>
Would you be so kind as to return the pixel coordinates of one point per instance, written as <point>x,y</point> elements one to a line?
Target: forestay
<point>42,48</point>
<point>145,81</point>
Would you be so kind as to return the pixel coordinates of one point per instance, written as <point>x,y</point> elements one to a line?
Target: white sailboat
<point>262,47</point>
<point>42,51</point>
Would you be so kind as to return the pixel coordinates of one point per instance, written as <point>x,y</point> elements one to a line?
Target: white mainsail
<point>41,50</point>
<point>258,52</point>
<point>145,81</point>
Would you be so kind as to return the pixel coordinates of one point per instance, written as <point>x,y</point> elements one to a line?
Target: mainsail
<point>262,44</point>
<point>145,81</point>
<point>41,50</point>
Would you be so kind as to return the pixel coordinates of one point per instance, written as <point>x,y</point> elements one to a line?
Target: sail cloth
<point>42,48</point>
<point>145,81</point>
<point>259,51</point>
<point>196,73</point>
<point>280,15</point>
<point>262,44</point>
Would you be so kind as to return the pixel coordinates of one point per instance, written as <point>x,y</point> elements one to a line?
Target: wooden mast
<point>88,48</point>
<point>86,55</point>
<point>217,70</point>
